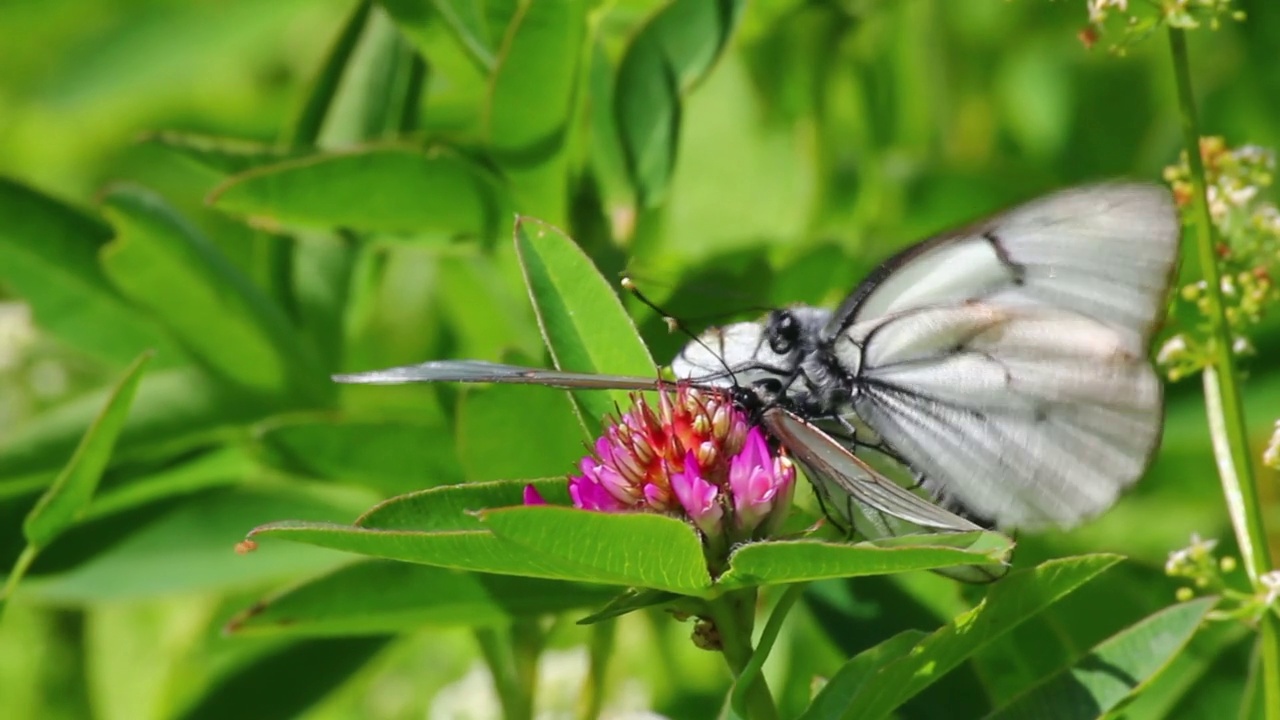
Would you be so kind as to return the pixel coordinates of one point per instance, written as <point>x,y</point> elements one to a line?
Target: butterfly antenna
<point>674,325</point>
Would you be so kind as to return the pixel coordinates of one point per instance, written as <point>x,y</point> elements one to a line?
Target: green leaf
<point>476,27</point>
<point>49,256</point>
<point>641,549</point>
<point>391,318</point>
<point>440,527</point>
<point>321,274</point>
<point>582,320</point>
<point>176,409</point>
<point>220,154</point>
<point>382,596</point>
<point>219,467</point>
<point>392,189</point>
<point>487,316</point>
<point>780,562</point>
<point>284,683</point>
<point>629,601</point>
<point>534,87</point>
<point>1010,602</point>
<point>162,263</point>
<point>183,545</point>
<point>474,550</point>
<point>66,500</point>
<point>1114,669</point>
<point>1207,674</point>
<point>69,496</point>
<point>515,431</point>
<point>391,456</point>
<point>458,527</point>
<point>306,128</point>
<point>1036,106</point>
<point>377,80</point>
<point>455,507</point>
<point>1036,649</point>
<point>839,691</point>
<point>665,59</point>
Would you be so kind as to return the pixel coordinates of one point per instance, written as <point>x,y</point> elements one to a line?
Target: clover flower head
<point>696,456</point>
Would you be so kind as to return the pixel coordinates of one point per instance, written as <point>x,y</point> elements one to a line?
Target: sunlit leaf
<point>806,560</point>
<point>393,189</point>
<point>535,82</point>
<point>669,54</point>
<point>1113,669</point>
<point>855,674</point>
<point>1010,602</point>
<point>71,492</point>
<point>584,324</point>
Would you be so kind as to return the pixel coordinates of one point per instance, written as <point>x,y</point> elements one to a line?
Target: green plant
<point>379,231</point>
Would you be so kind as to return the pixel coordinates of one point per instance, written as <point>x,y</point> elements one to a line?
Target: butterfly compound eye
<point>783,331</point>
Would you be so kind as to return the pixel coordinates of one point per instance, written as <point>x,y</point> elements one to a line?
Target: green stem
<point>600,644</point>
<point>516,701</point>
<point>526,641</point>
<point>1223,401</point>
<point>734,617</point>
<point>738,699</point>
<point>646,238</point>
<point>20,567</point>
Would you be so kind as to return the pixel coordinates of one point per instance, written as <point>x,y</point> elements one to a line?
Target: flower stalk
<point>1223,400</point>
<point>747,677</point>
<point>734,617</point>
<point>515,697</point>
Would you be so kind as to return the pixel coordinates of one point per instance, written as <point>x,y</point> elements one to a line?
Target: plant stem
<point>768,637</point>
<point>516,701</point>
<point>1223,402</point>
<point>526,643</point>
<point>600,644</point>
<point>734,617</point>
<point>20,567</point>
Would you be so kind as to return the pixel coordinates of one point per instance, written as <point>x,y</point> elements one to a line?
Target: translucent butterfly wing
<point>1106,251</point>
<point>863,499</point>
<point>480,371</point>
<point>1008,364</point>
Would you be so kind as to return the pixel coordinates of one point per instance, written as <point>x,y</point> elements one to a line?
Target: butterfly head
<point>759,362</point>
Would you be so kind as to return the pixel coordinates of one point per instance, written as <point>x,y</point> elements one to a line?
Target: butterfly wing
<point>1007,364</point>
<point>480,371</point>
<point>1107,252</point>
<point>863,499</point>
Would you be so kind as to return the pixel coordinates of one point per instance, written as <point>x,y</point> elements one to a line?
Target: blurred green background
<point>824,136</point>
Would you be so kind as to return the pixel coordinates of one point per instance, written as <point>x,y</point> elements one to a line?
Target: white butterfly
<point>1005,365</point>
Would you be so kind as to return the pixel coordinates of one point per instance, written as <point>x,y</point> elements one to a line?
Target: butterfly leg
<point>827,512</point>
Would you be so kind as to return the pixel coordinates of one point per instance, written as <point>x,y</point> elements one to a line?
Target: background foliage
<point>265,193</point>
